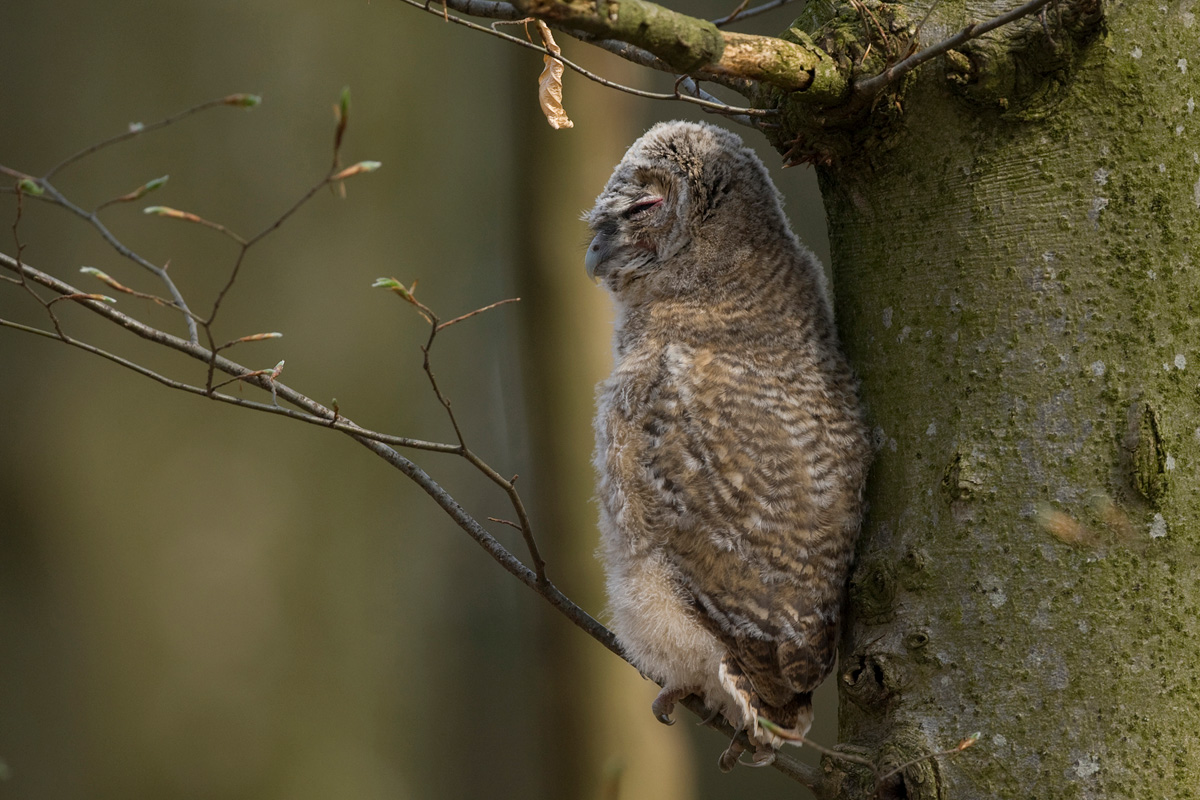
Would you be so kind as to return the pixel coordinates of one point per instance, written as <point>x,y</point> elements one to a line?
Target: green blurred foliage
<point>202,601</point>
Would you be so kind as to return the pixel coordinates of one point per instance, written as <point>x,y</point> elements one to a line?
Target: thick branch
<point>684,44</point>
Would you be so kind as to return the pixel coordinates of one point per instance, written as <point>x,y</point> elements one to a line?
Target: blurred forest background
<point>203,601</point>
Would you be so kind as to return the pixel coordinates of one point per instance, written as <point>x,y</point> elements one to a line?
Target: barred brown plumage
<point>730,447</point>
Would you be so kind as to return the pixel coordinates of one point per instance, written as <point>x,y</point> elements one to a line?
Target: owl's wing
<point>743,497</point>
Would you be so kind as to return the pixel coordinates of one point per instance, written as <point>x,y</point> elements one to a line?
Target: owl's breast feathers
<point>738,470</point>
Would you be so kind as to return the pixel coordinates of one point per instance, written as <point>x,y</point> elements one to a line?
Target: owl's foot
<point>729,758</point>
<point>664,704</point>
<point>763,756</point>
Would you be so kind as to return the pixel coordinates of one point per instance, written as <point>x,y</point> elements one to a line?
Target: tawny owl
<point>730,446</point>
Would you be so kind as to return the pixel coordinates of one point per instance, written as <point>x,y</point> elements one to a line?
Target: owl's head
<point>683,192</point>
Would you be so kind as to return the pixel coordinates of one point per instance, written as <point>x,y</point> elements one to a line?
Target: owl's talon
<point>763,757</point>
<point>711,716</point>
<point>664,704</point>
<point>729,759</point>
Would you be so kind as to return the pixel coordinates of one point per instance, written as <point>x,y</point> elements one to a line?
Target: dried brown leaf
<point>550,86</point>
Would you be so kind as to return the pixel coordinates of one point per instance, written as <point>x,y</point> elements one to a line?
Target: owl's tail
<point>774,727</point>
<point>788,723</point>
<point>768,727</point>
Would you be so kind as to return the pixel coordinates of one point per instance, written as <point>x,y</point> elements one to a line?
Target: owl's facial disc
<point>616,242</point>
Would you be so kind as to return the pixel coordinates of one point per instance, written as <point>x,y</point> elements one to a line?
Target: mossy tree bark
<point>1015,285</point>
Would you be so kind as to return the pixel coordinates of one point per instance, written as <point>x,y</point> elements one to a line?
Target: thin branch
<point>873,85</point>
<point>16,234</point>
<point>839,755</point>
<point>137,129</point>
<point>741,12</point>
<point>509,486</point>
<point>732,15</point>
<point>326,418</point>
<point>241,257</point>
<point>18,175</point>
<point>316,414</point>
<point>57,198</point>
<point>948,753</point>
<point>292,210</point>
<point>488,9</point>
<point>7,323</point>
<point>718,107</point>
<point>269,375</point>
<point>689,84</point>
<point>470,314</point>
<point>441,398</point>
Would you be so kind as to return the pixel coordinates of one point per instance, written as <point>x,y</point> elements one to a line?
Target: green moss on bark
<point>685,43</point>
<point>1010,287</point>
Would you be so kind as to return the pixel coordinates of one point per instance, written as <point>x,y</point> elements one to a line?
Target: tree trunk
<point>1014,283</point>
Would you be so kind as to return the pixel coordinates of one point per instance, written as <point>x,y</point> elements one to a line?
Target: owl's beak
<point>598,251</point>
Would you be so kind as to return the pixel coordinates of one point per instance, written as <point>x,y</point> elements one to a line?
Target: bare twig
<point>246,244</point>
<point>508,485</point>
<point>470,314</point>
<point>741,12</point>
<point>838,754</point>
<point>55,197</point>
<point>873,85</point>
<point>733,14</point>
<point>137,129</point>
<point>949,753</point>
<point>51,194</point>
<point>16,233</point>
<point>269,375</point>
<point>333,176</point>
